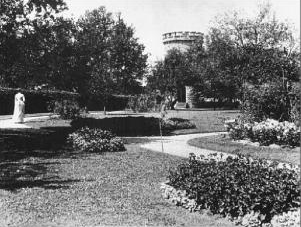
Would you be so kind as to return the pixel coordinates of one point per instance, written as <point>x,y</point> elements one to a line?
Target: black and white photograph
<point>165,113</point>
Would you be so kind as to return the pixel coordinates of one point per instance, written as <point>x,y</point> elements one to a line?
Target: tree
<point>243,50</point>
<point>127,58</point>
<point>109,55</point>
<point>19,51</point>
<point>171,74</point>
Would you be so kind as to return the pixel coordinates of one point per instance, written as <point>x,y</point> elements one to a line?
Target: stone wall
<point>189,97</point>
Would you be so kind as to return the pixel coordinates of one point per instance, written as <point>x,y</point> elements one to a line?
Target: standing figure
<point>19,109</point>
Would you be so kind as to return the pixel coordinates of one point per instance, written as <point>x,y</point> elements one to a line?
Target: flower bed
<point>266,132</point>
<point>250,192</point>
<point>95,140</point>
<point>170,124</point>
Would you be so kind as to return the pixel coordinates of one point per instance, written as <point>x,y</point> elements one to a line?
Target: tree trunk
<point>214,98</point>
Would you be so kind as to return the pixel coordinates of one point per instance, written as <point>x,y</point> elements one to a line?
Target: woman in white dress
<point>19,109</point>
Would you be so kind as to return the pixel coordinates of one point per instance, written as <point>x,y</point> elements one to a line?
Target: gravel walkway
<point>8,123</point>
<point>177,145</point>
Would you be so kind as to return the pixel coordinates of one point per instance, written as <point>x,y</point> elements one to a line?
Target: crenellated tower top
<point>180,40</point>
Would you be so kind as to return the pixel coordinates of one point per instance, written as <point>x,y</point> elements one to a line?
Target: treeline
<point>96,55</point>
<point>237,57</point>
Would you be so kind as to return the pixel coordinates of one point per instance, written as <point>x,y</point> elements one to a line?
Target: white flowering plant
<point>176,123</point>
<point>266,132</point>
<point>95,140</point>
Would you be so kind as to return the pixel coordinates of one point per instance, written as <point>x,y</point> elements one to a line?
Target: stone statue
<point>19,109</point>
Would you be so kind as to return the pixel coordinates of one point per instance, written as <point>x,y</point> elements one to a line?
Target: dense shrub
<point>95,140</point>
<point>225,105</point>
<point>37,101</point>
<point>66,109</point>
<point>266,132</point>
<point>115,102</point>
<point>273,100</point>
<point>238,186</point>
<point>141,103</point>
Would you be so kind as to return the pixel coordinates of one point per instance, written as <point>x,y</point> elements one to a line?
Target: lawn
<point>205,121</point>
<point>45,183</point>
<point>225,144</point>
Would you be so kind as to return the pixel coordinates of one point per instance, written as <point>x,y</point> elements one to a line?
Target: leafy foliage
<point>238,185</point>
<point>95,140</point>
<point>37,101</point>
<point>170,124</point>
<point>115,102</point>
<point>271,101</point>
<point>96,55</point>
<point>111,57</point>
<point>170,75</point>
<point>66,109</point>
<point>33,41</point>
<point>239,51</point>
<point>266,132</point>
<point>142,103</point>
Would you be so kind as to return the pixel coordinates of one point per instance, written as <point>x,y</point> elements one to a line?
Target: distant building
<point>182,41</point>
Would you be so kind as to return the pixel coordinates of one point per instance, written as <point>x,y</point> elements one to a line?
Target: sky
<point>152,18</point>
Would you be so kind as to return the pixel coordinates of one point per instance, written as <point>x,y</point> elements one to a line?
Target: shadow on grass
<point>16,175</point>
<point>52,184</point>
<point>16,144</point>
<point>137,140</point>
<point>25,154</point>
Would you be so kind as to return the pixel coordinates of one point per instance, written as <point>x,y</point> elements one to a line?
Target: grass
<point>43,182</point>
<point>205,121</point>
<point>73,189</point>
<point>224,144</point>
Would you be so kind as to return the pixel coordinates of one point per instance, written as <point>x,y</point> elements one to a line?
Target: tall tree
<point>109,54</point>
<point>242,50</point>
<point>171,74</point>
<point>19,21</point>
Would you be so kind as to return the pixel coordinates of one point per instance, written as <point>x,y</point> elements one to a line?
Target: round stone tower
<point>182,41</point>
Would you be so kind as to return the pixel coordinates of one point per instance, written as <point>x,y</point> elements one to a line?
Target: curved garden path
<point>177,145</point>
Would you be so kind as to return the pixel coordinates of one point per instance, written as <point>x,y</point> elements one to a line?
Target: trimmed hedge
<point>37,101</point>
<point>217,105</point>
<point>115,102</point>
<point>121,126</point>
<point>133,126</point>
